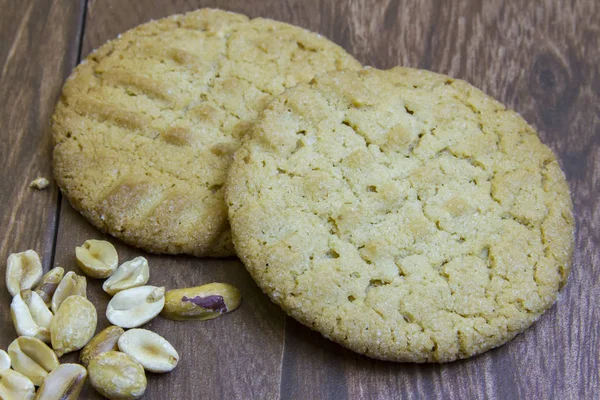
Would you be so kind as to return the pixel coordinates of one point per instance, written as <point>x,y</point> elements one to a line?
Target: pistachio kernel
<point>201,302</point>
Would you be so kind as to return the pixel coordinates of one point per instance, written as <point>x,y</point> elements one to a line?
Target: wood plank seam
<point>59,197</point>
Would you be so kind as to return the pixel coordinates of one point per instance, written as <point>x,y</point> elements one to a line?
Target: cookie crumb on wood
<point>40,183</point>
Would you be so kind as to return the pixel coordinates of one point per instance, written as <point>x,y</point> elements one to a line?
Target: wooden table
<point>540,57</point>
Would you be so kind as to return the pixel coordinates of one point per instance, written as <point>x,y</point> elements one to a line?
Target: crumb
<point>40,183</point>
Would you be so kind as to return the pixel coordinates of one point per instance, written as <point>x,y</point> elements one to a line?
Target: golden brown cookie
<point>146,126</point>
<point>403,214</point>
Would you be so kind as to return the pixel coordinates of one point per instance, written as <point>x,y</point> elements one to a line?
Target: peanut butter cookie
<point>146,126</point>
<point>403,214</point>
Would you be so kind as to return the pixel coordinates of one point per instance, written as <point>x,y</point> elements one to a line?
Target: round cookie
<point>403,214</point>
<point>146,126</point>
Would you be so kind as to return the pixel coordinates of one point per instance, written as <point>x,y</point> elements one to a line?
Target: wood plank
<point>541,59</point>
<point>39,47</point>
<point>538,57</point>
<point>237,356</point>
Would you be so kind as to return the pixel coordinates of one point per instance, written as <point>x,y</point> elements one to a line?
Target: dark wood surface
<point>541,58</point>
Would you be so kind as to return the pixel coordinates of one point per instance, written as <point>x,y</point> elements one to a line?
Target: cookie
<point>403,214</point>
<point>145,127</point>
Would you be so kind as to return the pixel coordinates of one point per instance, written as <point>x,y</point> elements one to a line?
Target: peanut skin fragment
<point>213,303</point>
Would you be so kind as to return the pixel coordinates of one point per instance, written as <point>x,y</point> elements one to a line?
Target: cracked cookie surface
<point>146,126</point>
<point>403,214</point>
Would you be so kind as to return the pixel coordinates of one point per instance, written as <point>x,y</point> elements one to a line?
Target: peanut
<point>4,360</point>
<point>150,349</point>
<point>63,383</point>
<point>71,284</point>
<point>130,274</point>
<point>104,341</point>
<point>33,358</point>
<point>47,286</point>
<point>117,375</point>
<point>134,307</point>
<point>15,386</point>
<point>30,315</point>
<point>23,271</point>
<point>73,325</point>
<point>97,258</point>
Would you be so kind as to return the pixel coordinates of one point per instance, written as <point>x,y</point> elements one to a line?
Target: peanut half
<point>150,349</point>
<point>71,285</point>
<point>117,375</point>
<point>134,307</point>
<point>130,274</point>
<point>30,315</point>
<point>47,286</point>
<point>33,358</point>
<point>4,360</point>
<point>15,386</point>
<point>23,271</point>
<point>97,258</point>
<point>201,302</point>
<point>64,383</point>
<point>73,325</point>
<point>104,341</point>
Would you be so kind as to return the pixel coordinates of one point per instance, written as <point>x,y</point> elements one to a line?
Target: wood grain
<point>237,356</point>
<point>37,51</point>
<point>540,58</point>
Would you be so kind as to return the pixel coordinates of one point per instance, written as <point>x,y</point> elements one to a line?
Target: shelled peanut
<point>53,308</point>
